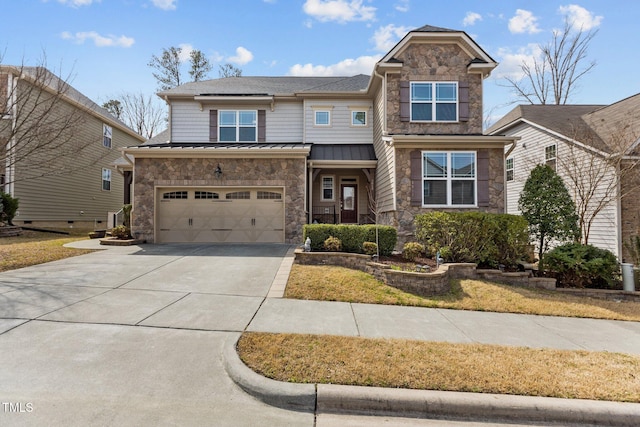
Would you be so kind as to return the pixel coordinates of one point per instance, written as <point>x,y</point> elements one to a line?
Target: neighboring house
<point>594,148</point>
<point>58,149</point>
<point>249,159</point>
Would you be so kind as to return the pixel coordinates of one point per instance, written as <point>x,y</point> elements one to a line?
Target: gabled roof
<point>270,86</point>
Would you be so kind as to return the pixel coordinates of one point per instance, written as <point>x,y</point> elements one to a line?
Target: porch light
<point>218,172</point>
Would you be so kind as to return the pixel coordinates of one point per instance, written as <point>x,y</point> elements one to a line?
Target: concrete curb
<point>377,401</point>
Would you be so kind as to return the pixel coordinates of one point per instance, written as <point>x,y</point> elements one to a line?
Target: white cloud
<point>165,4</point>
<point>98,40</point>
<point>347,67</point>
<point>243,56</point>
<point>579,17</point>
<point>77,3</point>
<point>339,10</point>
<point>185,51</point>
<point>386,37</point>
<point>511,62</point>
<point>523,22</point>
<point>471,18</point>
<point>402,6</point>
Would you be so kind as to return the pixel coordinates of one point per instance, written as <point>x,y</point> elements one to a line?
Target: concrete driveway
<point>133,336</point>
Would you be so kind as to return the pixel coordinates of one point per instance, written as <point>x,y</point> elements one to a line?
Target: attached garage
<point>220,215</point>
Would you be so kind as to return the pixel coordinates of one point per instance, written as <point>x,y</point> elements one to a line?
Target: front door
<point>349,204</point>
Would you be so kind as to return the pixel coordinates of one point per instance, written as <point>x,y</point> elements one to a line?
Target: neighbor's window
<point>322,118</point>
<point>550,152</point>
<point>449,178</point>
<point>358,118</point>
<point>327,189</point>
<point>434,101</point>
<point>238,125</point>
<point>509,169</point>
<point>107,135</point>
<point>106,179</point>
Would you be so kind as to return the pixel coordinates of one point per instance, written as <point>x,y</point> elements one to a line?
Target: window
<point>106,179</point>
<point>358,118</point>
<point>550,155</point>
<point>238,125</point>
<point>269,195</point>
<point>509,169</point>
<point>238,195</point>
<point>175,195</point>
<point>107,135</point>
<point>201,195</point>
<point>449,178</point>
<point>434,102</point>
<point>322,118</point>
<point>327,189</point>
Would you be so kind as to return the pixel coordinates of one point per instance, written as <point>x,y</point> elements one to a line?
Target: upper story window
<point>358,118</point>
<point>449,178</point>
<point>550,152</point>
<point>238,125</point>
<point>434,101</point>
<point>322,118</point>
<point>509,169</point>
<point>107,135</point>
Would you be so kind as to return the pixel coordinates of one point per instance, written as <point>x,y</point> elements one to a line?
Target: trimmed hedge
<point>575,265</point>
<point>351,236</point>
<point>482,238</point>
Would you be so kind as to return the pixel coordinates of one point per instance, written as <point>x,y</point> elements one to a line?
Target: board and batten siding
<point>385,171</point>
<point>75,194</point>
<point>190,124</point>
<point>604,231</point>
<point>340,131</point>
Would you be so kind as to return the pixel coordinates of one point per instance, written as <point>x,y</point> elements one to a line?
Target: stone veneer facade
<point>151,173</point>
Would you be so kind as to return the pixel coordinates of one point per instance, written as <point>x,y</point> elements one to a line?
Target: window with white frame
<point>449,178</point>
<point>550,152</point>
<point>107,135</point>
<point>327,193</point>
<point>358,118</point>
<point>434,101</point>
<point>106,179</point>
<point>238,125</point>
<point>322,118</point>
<point>509,169</point>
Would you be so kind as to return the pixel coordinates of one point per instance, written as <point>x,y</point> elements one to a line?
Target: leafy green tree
<point>546,204</point>
<point>168,66</point>
<point>200,66</point>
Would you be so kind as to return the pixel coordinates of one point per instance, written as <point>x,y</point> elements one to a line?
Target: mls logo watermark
<point>17,407</point>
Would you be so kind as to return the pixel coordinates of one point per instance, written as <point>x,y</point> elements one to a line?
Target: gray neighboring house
<point>68,180</point>
<point>253,159</point>
<point>589,146</point>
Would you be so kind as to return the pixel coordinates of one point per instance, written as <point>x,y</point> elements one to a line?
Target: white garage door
<point>239,215</point>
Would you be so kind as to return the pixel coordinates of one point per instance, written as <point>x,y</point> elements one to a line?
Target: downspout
<point>619,214</point>
<point>10,170</point>
<point>309,185</point>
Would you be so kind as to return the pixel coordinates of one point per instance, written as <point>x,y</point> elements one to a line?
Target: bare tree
<point>41,123</point>
<point>552,78</point>
<point>168,67</point>
<point>142,113</point>
<point>200,66</point>
<point>228,70</point>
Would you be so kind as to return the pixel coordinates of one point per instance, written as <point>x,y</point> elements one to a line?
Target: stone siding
<point>288,173</point>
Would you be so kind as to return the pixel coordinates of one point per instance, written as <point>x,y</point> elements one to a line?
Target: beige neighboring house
<point>58,149</point>
<point>253,159</point>
<point>595,149</point>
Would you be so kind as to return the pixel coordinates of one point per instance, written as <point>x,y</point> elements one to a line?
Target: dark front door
<point>349,203</point>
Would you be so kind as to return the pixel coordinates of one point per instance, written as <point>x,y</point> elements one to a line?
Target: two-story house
<point>57,150</point>
<point>252,159</point>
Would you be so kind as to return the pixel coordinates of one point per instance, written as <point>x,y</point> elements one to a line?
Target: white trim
<point>434,101</point>
<point>449,178</point>
<point>238,126</point>
<point>366,118</point>
<point>333,188</point>
<point>315,117</point>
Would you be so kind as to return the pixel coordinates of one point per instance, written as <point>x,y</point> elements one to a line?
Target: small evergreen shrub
<point>332,244</point>
<point>9,207</point>
<point>412,250</point>
<point>120,232</point>
<point>575,265</point>
<point>370,248</point>
<point>351,236</point>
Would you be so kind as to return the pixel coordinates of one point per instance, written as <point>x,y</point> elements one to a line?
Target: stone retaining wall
<point>423,284</point>
<point>10,231</point>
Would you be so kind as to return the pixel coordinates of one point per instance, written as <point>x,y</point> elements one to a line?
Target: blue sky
<point>105,45</point>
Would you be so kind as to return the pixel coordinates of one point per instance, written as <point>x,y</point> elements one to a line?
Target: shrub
<point>332,244</point>
<point>9,207</point>
<point>483,238</point>
<point>370,248</point>
<point>412,250</point>
<point>351,236</point>
<point>120,232</point>
<point>582,266</point>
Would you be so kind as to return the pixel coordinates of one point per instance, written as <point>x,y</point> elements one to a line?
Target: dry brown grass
<point>329,283</point>
<point>33,247</point>
<point>443,366</point>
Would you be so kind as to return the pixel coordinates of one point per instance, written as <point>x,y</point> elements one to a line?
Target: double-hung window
<point>434,101</point>
<point>449,178</point>
<point>238,125</point>
<point>107,135</point>
<point>327,188</point>
<point>106,179</point>
<point>509,168</point>
<point>550,154</point>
